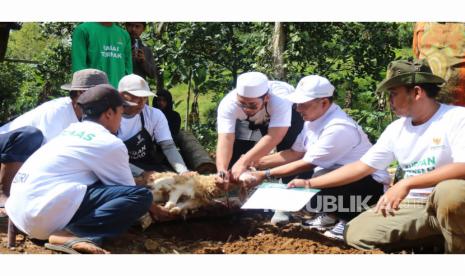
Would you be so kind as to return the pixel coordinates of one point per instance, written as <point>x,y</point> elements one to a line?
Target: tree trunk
<point>279,43</point>
<point>186,121</point>
<point>157,32</point>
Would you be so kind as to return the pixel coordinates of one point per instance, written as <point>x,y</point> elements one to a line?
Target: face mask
<point>126,116</point>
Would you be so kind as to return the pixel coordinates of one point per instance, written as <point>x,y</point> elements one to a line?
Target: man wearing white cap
<point>329,139</point>
<point>144,127</point>
<point>252,120</point>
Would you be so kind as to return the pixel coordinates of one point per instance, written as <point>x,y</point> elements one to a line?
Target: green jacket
<point>100,47</point>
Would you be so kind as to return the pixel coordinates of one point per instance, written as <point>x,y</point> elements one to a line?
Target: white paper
<point>275,196</point>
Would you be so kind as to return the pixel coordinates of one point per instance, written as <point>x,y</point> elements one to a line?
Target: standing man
<point>319,148</point>
<point>427,142</point>
<point>252,120</point>
<point>78,190</point>
<point>143,63</point>
<point>104,46</point>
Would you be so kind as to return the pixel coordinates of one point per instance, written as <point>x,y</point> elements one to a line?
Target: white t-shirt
<point>279,109</point>
<point>50,186</point>
<point>334,140</point>
<point>51,118</point>
<point>423,148</point>
<point>155,124</point>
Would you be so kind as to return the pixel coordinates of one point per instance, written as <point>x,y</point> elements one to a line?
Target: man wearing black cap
<point>77,190</point>
<point>428,204</point>
<point>22,136</point>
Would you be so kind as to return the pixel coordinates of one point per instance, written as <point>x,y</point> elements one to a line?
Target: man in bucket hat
<point>77,190</point>
<point>53,116</point>
<point>427,141</point>
<point>319,148</point>
<point>22,136</point>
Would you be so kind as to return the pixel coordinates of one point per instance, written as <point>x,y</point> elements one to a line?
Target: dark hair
<point>143,23</point>
<point>93,114</point>
<point>73,94</point>
<point>432,89</point>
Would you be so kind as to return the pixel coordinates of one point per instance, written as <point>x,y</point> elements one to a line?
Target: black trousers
<point>346,201</point>
<point>243,146</point>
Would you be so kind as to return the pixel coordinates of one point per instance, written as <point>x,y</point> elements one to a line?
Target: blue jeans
<point>19,144</point>
<point>109,210</point>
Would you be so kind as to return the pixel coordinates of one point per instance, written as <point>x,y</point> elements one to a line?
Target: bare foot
<point>89,248</point>
<point>81,246</point>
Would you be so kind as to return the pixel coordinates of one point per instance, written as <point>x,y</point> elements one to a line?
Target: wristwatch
<point>268,174</point>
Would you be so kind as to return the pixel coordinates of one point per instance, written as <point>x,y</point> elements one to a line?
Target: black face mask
<point>253,126</point>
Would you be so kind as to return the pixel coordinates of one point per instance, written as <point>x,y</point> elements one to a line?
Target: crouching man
<point>329,139</point>
<point>77,190</point>
<point>428,142</point>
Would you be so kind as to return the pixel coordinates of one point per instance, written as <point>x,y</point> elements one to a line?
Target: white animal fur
<point>180,193</point>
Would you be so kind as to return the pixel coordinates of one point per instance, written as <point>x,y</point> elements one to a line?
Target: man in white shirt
<point>15,147</point>
<point>329,139</point>
<point>145,130</point>
<point>427,141</point>
<point>44,123</point>
<point>253,119</point>
<point>77,190</point>
<point>52,117</point>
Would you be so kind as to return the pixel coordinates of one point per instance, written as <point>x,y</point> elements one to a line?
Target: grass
<point>179,93</point>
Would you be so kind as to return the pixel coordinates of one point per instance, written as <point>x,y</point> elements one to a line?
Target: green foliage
<point>208,57</point>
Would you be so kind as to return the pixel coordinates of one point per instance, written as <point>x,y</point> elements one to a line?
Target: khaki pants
<point>441,216</point>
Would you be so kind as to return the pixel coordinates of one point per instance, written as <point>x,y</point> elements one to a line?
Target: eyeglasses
<point>248,106</point>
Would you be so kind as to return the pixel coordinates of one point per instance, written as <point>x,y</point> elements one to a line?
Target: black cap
<point>99,98</point>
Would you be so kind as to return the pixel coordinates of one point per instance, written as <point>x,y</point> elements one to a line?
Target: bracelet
<point>268,174</point>
<point>308,184</point>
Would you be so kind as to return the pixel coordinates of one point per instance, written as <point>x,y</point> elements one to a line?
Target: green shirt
<point>104,48</point>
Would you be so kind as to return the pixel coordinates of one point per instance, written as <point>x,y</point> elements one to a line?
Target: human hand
<point>160,213</point>
<point>188,173</point>
<point>391,200</point>
<point>140,55</point>
<point>223,180</point>
<point>251,179</point>
<point>237,169</point>
<point>296,183</point>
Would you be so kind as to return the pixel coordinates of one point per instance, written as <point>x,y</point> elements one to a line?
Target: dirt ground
<point>238,233</point>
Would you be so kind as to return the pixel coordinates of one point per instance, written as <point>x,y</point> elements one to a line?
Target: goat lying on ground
<point>179,193</point>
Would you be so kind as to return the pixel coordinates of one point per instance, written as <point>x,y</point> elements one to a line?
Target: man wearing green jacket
<point>104,46</point>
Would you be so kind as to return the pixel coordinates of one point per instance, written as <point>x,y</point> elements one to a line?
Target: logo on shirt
<point>139,139</point>
<point>437,142</point>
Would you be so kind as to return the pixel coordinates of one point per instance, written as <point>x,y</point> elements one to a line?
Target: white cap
<point>252,85</point>
<point>310,88</point>
<point>135,85</point>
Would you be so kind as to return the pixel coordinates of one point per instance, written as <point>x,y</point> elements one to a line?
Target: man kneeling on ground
<point>428,204</point>
<point>77,190</point>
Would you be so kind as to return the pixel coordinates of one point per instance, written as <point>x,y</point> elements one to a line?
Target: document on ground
<point>275,196</point>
